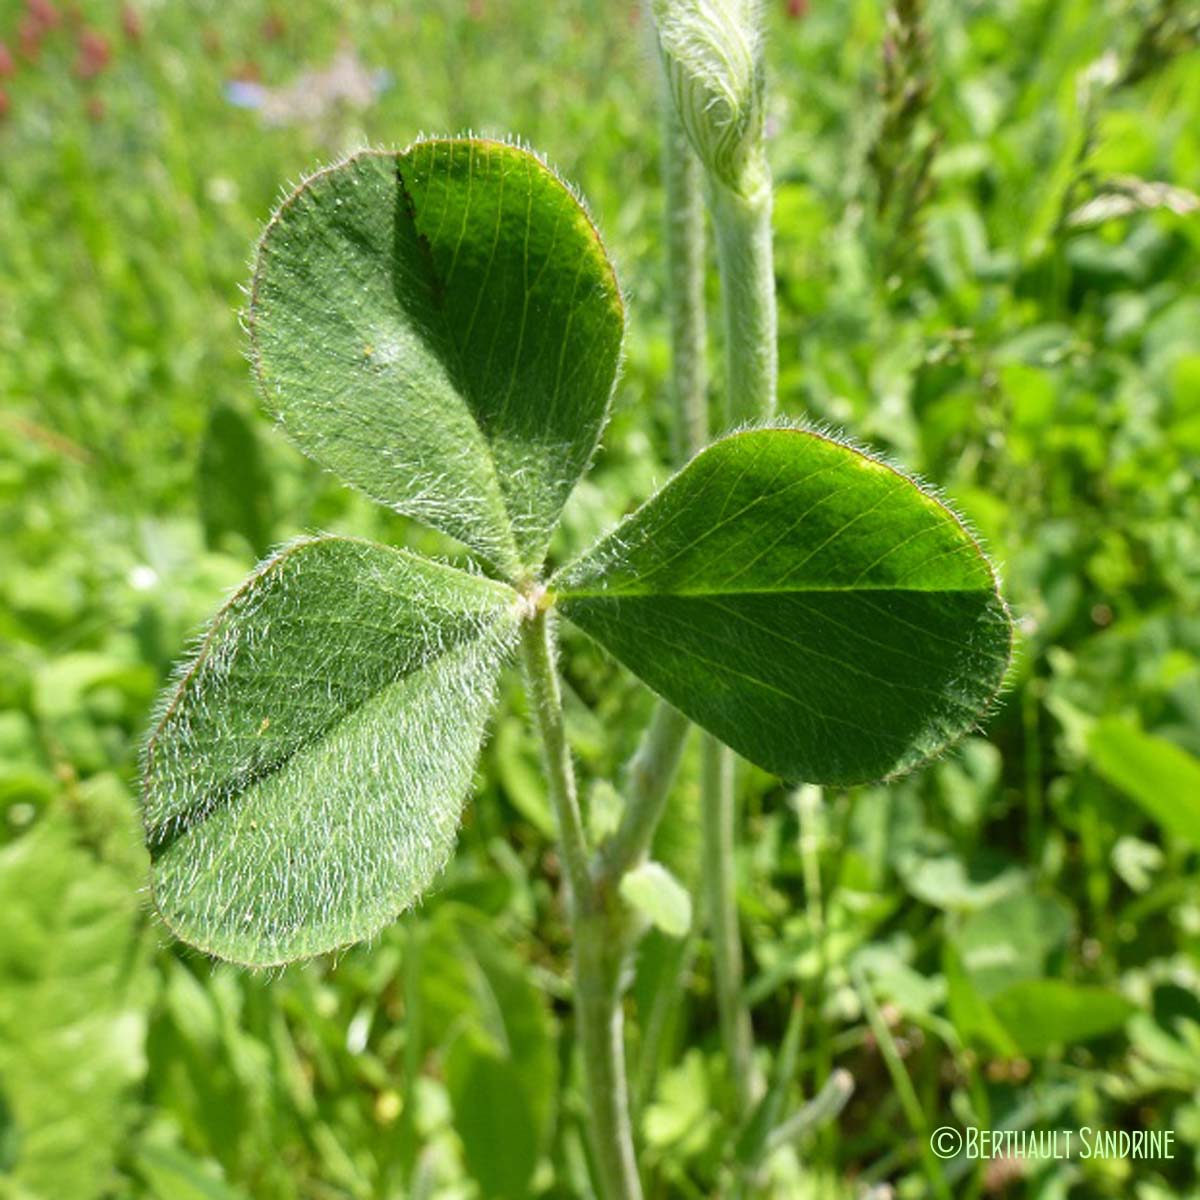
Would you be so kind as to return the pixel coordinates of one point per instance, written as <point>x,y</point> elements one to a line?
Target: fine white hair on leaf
<point>712,56</point>
<point>771,557</point>
<point>370,374</point>
<point>305,778</point>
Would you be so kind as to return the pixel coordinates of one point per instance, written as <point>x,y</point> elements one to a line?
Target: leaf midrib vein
<point>703,593</point>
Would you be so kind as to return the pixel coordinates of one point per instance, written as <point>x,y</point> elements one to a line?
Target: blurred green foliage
<point>1009,939</point>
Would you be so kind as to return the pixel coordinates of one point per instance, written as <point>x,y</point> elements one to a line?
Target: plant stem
<point>599,953</point>
<point>742,222</point>
<point>653,766</point>
<point>538,654</point>
<point>744,254</point>
<point>717,838</point>
<point>809,801</point>
<point>685,283</point>
<point>648,782</point>
<point>821,1109</point>
<point>905,1092</point>
<point>596,934</point>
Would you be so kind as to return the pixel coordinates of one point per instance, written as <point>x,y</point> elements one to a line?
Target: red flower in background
<point>44,13</point>
<point>247,72</point>
<point>7,64</point>
<point>797,9</point>
<point>39,18</point>
<point>29,37</point>
<point>3,104</point>
<point>131,23</point>
<point>94,54</point>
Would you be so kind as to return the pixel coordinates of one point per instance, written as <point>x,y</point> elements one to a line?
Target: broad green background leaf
<point>492,1114</point>
<point>1039,1014</point>
<point>501,1066</point>
<point>936,874</point>
<point>73,991</point>
<point>210,1071</point>
<point>441,327</point>
<point>305,781</point>
<point>972,1015</point>
<point>175,1175</point>
<point>1013,939</point>
<point>659,897</point>
<point>233,487</point>
<point>1164,779</point>
<point>807,604</point>
<point>520,773</point>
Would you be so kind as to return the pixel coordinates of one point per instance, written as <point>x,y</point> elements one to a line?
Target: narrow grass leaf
<point>812,607</point>
<point>441,327</point>
<point>305,780</point>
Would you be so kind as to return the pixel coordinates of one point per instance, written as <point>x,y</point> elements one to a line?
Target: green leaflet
<point>305,781</point>
<point>441,327</point>
<point>807,604</point>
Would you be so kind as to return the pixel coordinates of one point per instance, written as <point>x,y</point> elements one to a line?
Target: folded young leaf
<point>810,606</point>
<point>441,327</point>
<point>305,780</point>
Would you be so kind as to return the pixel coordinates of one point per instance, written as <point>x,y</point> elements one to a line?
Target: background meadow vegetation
<point>988,254</point>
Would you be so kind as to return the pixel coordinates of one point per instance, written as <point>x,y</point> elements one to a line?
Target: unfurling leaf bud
<point>711,50</point>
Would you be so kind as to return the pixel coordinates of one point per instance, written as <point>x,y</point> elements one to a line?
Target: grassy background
<point>986,280</point>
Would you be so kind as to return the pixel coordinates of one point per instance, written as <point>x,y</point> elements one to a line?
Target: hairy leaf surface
<point>441,327</point>
<point>305,781</point>
<point>807,604</point>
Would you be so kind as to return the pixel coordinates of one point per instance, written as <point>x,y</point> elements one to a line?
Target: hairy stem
<point>648,783</point>
<point>742,222</point>
<point>685,283</point>
<point>538,650</point>
<point>717,838</point>
<point>653,766</point>
<point>595,925</point>
<point>744,255</point>
<point>598,960</point>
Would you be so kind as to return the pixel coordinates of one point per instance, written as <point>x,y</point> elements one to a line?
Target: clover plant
<point>441,327</point>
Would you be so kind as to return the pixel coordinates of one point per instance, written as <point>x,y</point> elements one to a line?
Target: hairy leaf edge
<point>289,196</point>
<point>189,663</point>
<point>929,491</point>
